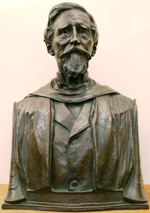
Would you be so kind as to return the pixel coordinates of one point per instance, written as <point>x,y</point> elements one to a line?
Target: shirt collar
<point>62,85</point>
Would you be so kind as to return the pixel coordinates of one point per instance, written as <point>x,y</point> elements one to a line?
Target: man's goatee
<point>74,64</point>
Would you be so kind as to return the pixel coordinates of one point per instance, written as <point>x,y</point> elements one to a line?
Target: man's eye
<point>84,33</point>
<point>65,32</point>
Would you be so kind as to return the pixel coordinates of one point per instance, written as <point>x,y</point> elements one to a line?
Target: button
<point>74,183</point>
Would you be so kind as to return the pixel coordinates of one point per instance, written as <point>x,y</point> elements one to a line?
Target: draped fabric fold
<point>92,90</point>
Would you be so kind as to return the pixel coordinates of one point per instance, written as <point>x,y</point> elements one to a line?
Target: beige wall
<point>122,60</point>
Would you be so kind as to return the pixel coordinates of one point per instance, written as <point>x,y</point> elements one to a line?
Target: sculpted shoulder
<point>30,105</point>
<point>26,104</point>
<point>118,103</point>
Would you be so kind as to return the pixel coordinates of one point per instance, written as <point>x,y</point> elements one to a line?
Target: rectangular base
<point>47,200</point>
<point>76,207</point>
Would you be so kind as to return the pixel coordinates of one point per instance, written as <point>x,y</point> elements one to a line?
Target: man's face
<point>73,39</point>
<point>72,28</point>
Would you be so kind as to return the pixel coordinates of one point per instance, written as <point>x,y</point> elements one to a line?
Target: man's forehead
<point>72,16</point>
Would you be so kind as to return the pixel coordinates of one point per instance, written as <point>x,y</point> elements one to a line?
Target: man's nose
<point>74,38</point>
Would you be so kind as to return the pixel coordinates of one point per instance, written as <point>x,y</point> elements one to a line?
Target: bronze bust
<point>75,142</point>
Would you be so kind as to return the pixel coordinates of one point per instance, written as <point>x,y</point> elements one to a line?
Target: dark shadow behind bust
<point>75,142</point>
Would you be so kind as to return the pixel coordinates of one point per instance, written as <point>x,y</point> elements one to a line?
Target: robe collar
<point>89,90</point>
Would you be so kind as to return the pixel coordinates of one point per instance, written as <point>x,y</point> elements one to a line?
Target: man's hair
<point>55,12</point>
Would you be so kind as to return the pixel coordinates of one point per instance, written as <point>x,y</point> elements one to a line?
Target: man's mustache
<point>75,49</point>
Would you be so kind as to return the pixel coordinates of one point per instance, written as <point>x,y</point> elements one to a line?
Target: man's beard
<point>74,63</point>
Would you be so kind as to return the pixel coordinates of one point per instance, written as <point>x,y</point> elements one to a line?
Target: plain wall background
<point>122,60</point>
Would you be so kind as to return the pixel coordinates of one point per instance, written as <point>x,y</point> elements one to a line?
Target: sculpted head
<point>72,37</point>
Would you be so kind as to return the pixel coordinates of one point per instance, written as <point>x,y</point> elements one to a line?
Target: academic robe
<point>107,116</point>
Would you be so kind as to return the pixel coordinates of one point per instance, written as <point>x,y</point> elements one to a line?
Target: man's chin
<point>75,73</point>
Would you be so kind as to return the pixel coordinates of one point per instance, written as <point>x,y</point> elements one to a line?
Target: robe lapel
<point>63,115</point>
<point>83,120</point>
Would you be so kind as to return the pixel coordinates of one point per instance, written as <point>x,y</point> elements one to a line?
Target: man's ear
<point>94,49</point>
<point>50,50</point>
